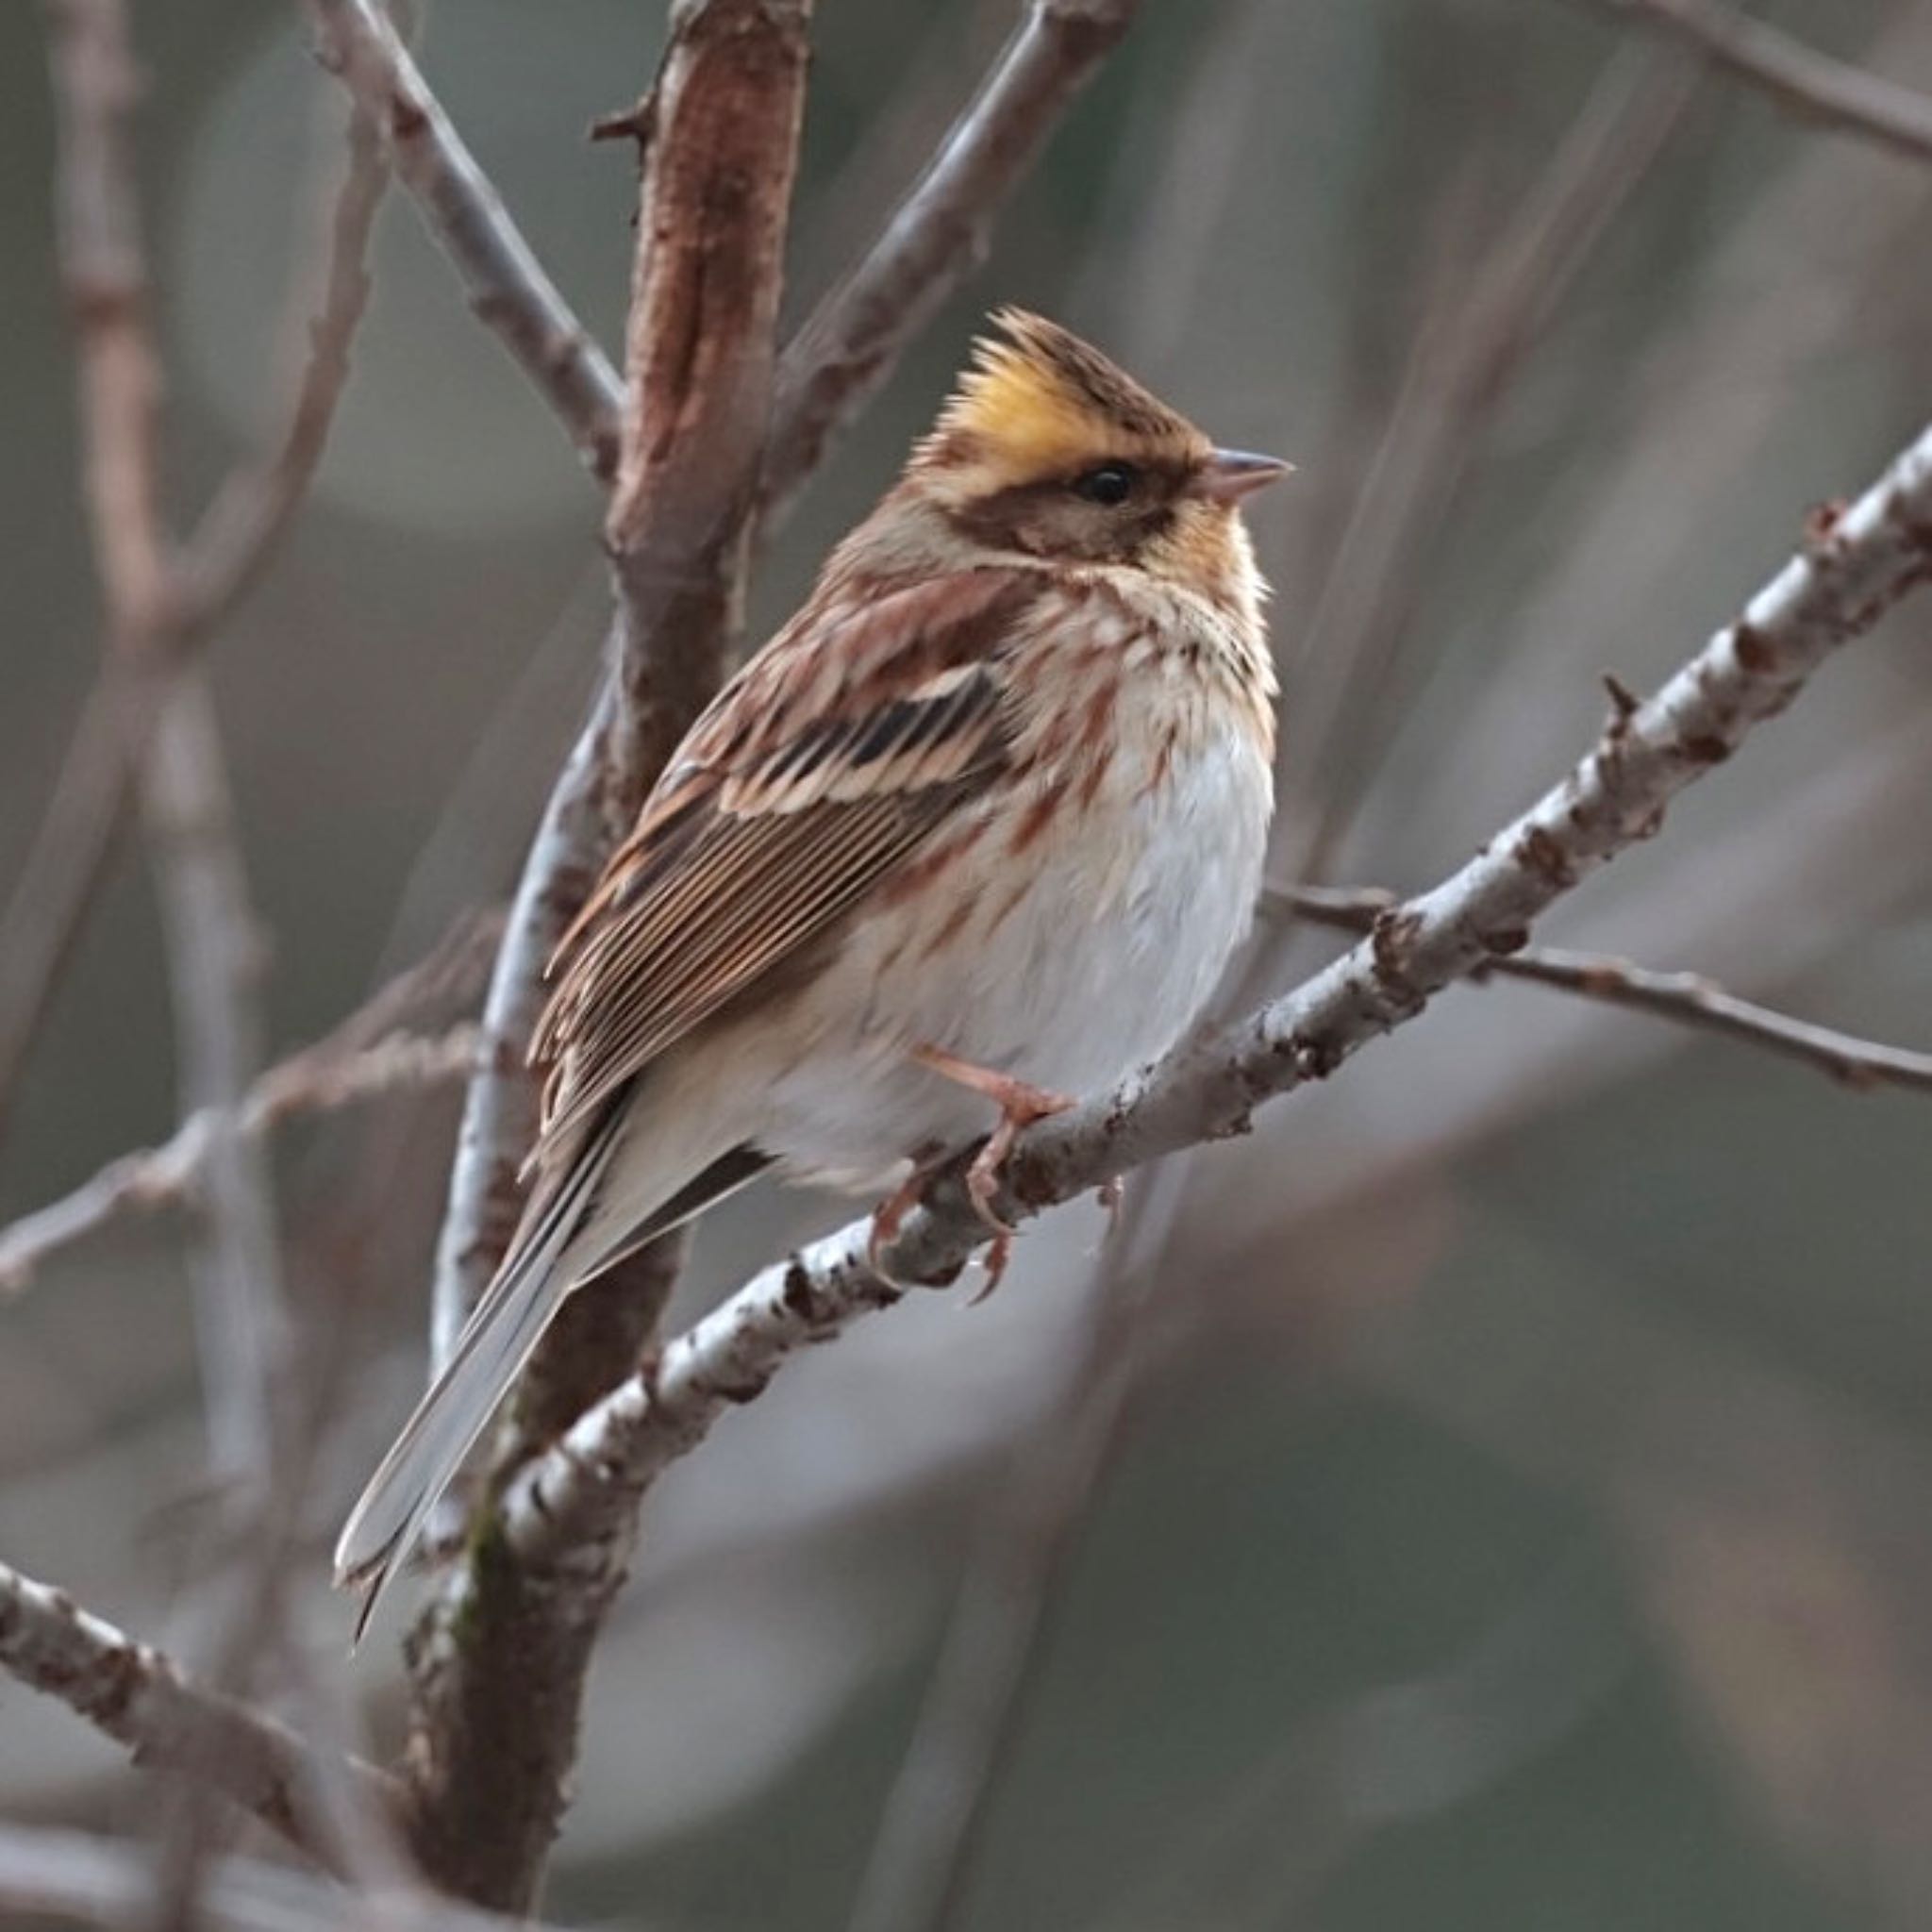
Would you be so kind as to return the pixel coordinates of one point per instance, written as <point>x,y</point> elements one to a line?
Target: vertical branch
<point>68,861</point>
<point>213,960</point>
<point>105,282</point>
<point>699,349</point>
<point>497,1668</point>
<point>198,862</point>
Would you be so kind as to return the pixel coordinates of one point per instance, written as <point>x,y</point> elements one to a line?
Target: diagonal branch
<point>242,527</point>
<point>561,1512</point>
<point>139,1698</point>
<point>509,290</point>
<point>108,1882</point>
<point>935,238</point>
<point>1832,92</point>
<point>1685,999</point>
<point>155,1178</point>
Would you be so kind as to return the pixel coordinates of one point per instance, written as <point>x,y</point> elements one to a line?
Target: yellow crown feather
<point>1035,399</point>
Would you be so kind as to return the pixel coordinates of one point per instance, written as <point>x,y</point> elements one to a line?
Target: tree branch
<point>197,863</point>
<point>153,1177</point>
<point>509,290</point>
<point>111,1884</point>
<point>935,238</point>
<point>1833,92</point>
<point>67,862</point>
<point>242,527</point>
<point>498,1675</point>
<point>561,1513</point>
<point>1685,999</point>
<point>139,1698</point>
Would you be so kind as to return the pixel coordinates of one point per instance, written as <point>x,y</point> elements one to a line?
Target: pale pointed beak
<point>1230,474</point>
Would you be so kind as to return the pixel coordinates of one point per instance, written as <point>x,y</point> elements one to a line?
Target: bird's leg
<point>1019,1106</point>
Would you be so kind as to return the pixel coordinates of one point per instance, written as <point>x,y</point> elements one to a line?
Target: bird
<point>973,834</point>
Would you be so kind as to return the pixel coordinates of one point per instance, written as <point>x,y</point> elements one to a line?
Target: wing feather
<point>838,751</point>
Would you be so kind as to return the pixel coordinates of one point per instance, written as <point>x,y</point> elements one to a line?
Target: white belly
<point>1083,958</point>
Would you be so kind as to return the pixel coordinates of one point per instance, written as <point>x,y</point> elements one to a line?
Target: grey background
<point>1521,1517</point>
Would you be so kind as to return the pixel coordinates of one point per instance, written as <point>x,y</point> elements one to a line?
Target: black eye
<point>1110,485</point>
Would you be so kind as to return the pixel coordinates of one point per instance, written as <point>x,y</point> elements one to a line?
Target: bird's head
<point>1048,448</point>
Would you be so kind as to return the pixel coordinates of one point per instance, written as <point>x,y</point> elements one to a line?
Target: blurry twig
<point>213,967</point>
<point>509,290</point>
<point>1836,587</point>
<point>310,1082</point>
<point>197,864</point>
<point>251,511</point>
<point>65,868</point>
<point>848,345</point>
<point>916,1876</point>
<point>1371,592</point>
<point>1832,92</point>
<point>1394,1755</point>
<point>107,1882</point>
<point>1687,999</point>
<point>139,1698</point>
<point>68,860</point>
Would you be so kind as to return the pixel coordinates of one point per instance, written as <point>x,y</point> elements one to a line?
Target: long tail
<point>623,1187</point>
<point>502,1330</point>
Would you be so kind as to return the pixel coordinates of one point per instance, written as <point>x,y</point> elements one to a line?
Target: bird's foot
<point>889,1216</point>
<point>1020,1103</point>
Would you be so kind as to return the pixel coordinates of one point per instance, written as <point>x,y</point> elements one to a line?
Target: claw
<point>889,1216</point>
<point>999,1251</point>
<point>1020,1104</point>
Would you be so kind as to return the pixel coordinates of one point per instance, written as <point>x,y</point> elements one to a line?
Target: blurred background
<point>1499,1492</point>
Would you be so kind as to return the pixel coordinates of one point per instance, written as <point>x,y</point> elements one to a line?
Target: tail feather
<point>573,1239</point>
<point>499,1338</point>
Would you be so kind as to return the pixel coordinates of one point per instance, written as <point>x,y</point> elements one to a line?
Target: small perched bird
<point>976,830</point>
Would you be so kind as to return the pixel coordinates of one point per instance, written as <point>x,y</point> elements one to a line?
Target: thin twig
<point>68,862</point>
<point>66,866</point>
<point>151,1178</point>
<point>107,1882</point>
<point>104,275</point>
<point>1686,999</point>
<point>250,514</point>
<point>1365,614</point>
<point>509,290</point>
<point>197,865</point>
<point>214,956</point>
<point>917,1875</point>
<point>1832,92</point>
<point>934,238</point>
<point>139,1698</point>
<point>561,1509</point>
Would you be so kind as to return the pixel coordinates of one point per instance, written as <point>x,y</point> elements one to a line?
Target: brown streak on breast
<point>1038,816</point>
<point>1164,762</point>
<point>952,926</point>
<point>1008,907</point>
